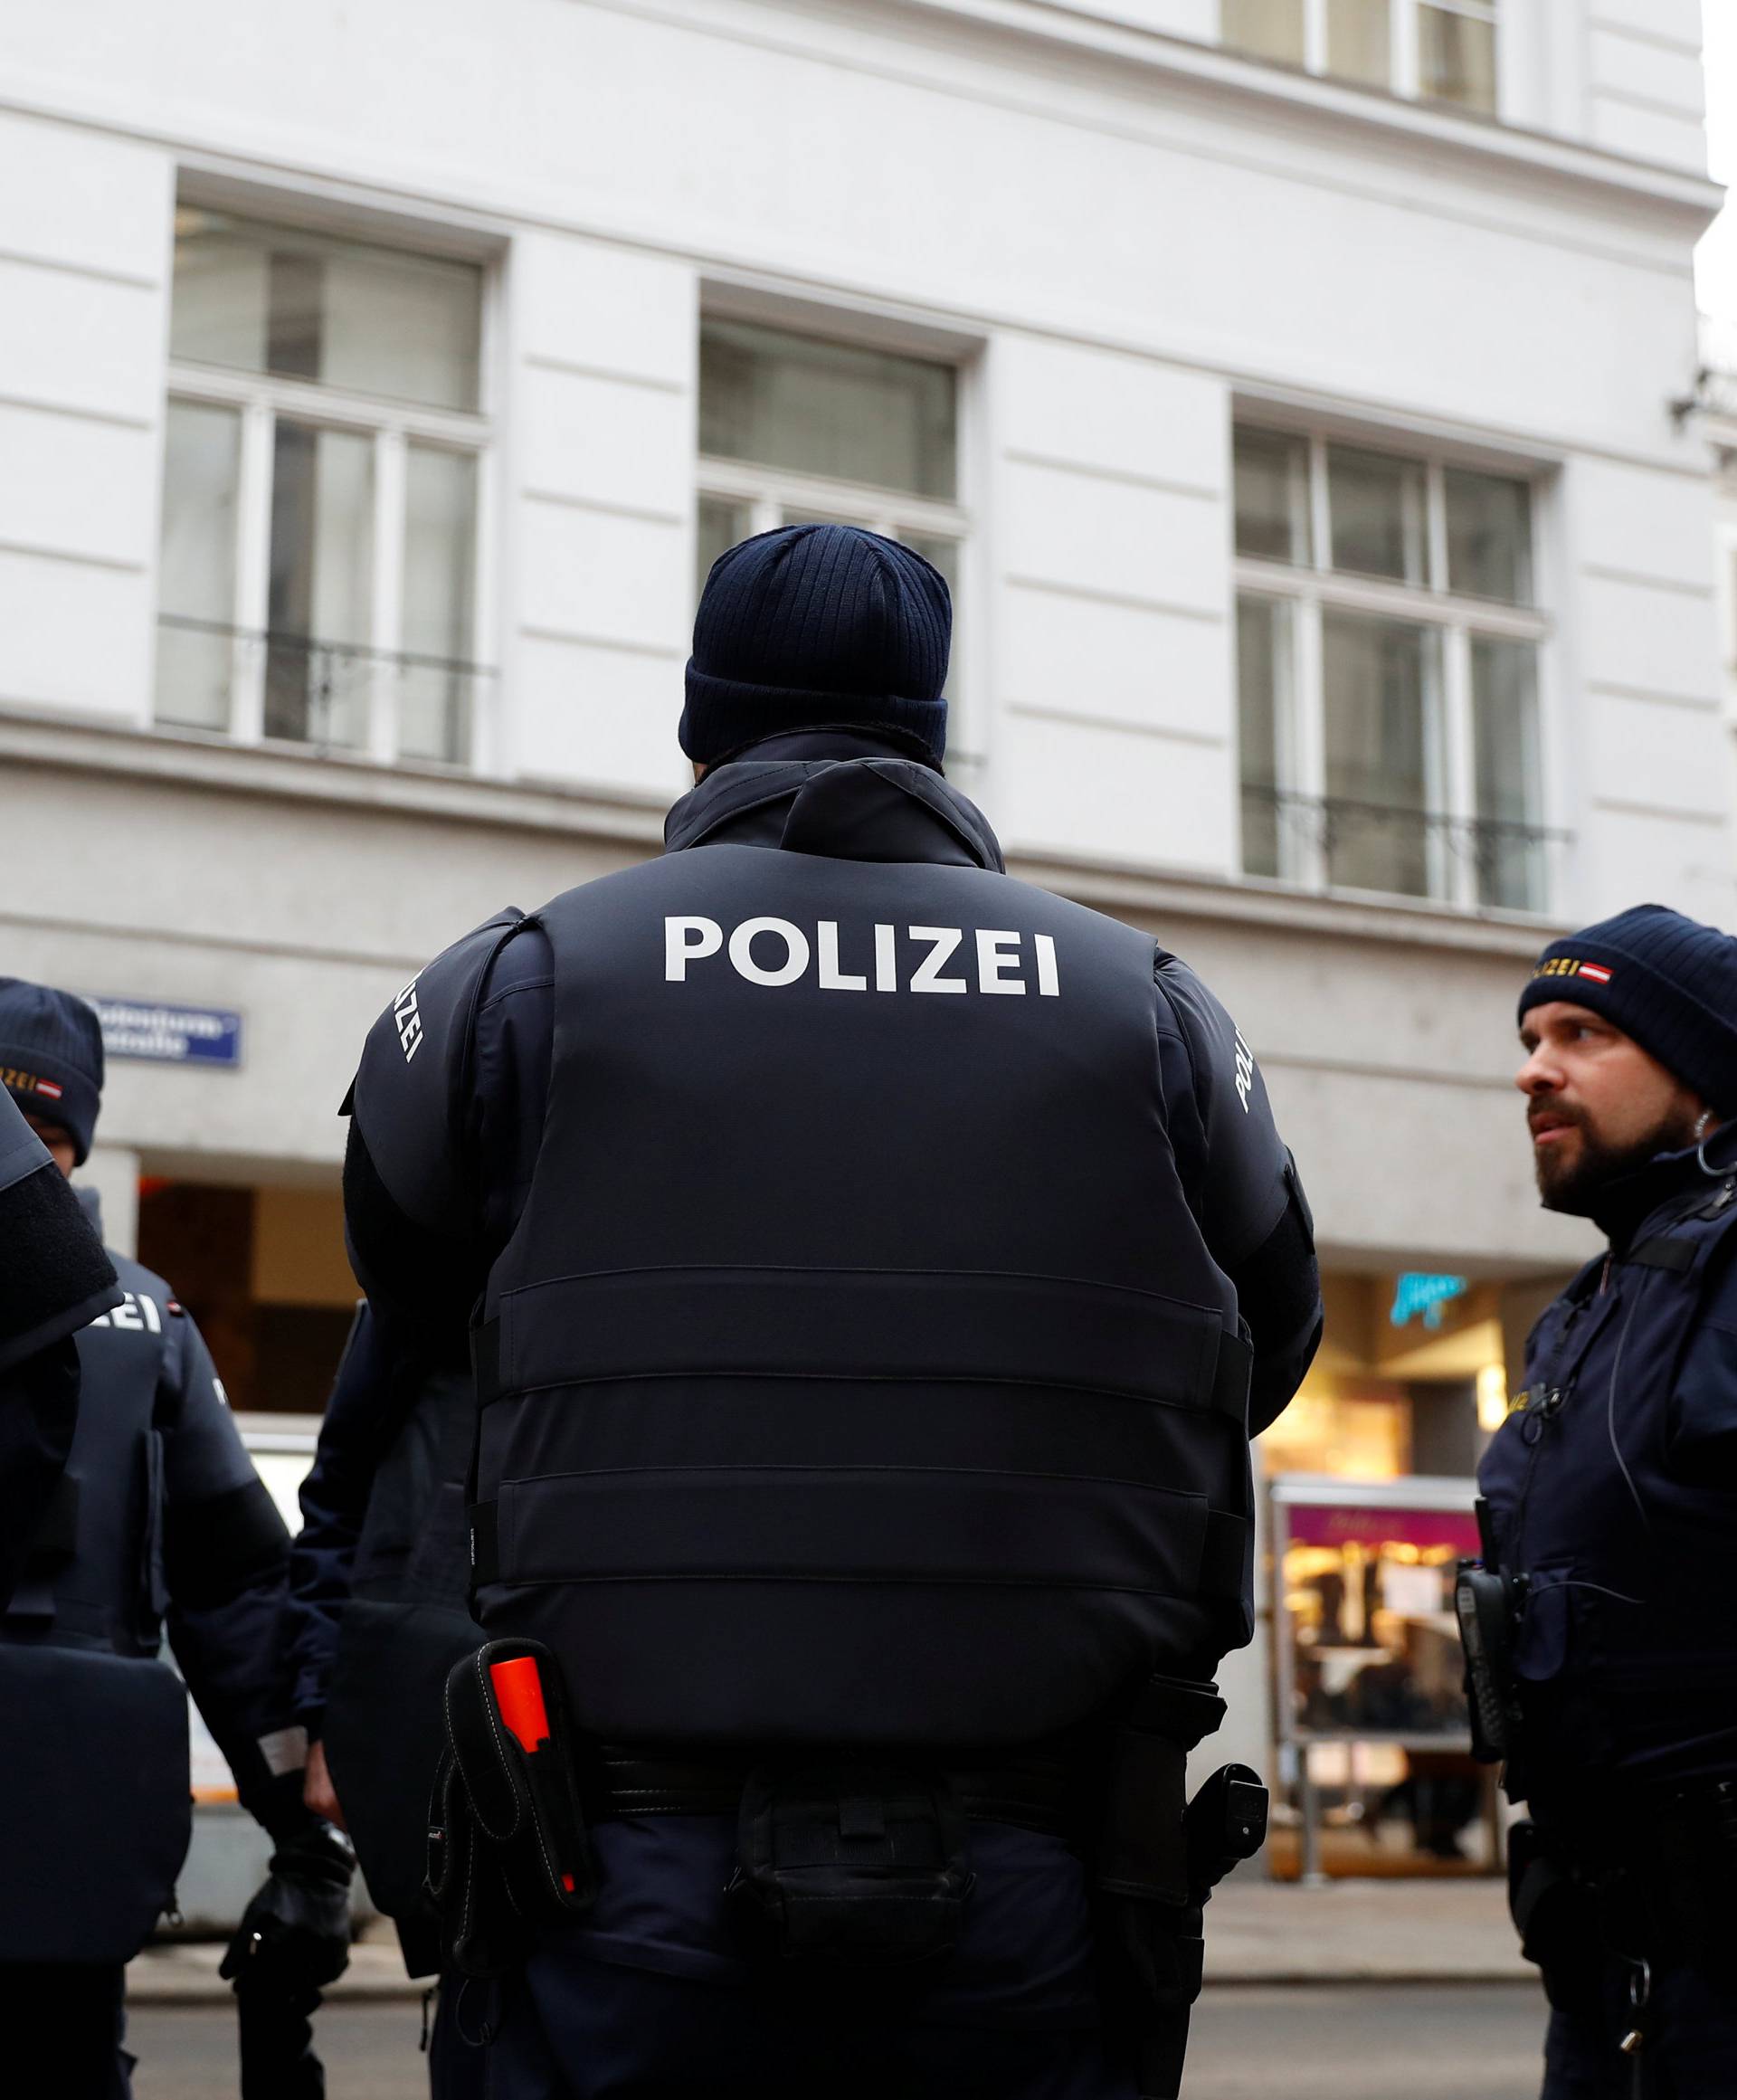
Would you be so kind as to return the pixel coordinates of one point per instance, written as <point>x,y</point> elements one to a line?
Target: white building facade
<point>1283,385</point>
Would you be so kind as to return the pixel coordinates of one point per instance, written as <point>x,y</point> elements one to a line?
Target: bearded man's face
<point>1597,1105</point>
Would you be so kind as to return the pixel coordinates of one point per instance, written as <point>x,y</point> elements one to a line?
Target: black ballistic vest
<point>95,1810</point>
<point>858,1372</point>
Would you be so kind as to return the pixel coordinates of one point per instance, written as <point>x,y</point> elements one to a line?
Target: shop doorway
<point>264,1271</point>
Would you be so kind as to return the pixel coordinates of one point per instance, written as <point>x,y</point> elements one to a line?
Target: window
<point>1387,665</point>
<point>322,488</point>
<point>795,429</point>
<point>1438,51</point>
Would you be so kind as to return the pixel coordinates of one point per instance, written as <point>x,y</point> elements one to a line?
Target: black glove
<point>295,1934</point>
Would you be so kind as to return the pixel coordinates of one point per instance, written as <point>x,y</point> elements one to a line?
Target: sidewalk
<point>1362,1932</point>
<point>184,1971</point>
<point>1256,1932</point>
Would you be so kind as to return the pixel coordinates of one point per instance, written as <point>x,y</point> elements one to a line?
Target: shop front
<point>1368,1486</point>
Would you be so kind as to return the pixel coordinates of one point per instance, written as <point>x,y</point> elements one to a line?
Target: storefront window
<point>1368,1670</point>
<point>1370,1475</point>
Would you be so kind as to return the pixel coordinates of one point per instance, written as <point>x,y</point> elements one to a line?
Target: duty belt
<point>1038,1793</point>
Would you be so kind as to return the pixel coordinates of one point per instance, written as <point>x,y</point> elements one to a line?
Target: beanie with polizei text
<point>1667,980</point>
<point>51,1057</point>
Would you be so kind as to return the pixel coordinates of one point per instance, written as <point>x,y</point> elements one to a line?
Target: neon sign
<point>1416,1291</point>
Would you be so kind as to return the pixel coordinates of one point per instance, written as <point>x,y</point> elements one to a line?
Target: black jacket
<point>1613,1490</point>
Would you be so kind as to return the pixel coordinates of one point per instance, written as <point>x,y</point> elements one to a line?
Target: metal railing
<point>333,695</point>
<point>1338,843</point>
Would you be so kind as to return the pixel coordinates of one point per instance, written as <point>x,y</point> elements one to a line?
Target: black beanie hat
<point>1667,980</point>
<point>51,1057</point>
<point>818,626</point>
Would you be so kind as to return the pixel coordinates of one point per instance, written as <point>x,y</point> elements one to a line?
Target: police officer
<point>54,1276</point>
<point>881,1265</point>
<point>160,1522</point>
<point>379,1578</point>
<point>1611,1495</point>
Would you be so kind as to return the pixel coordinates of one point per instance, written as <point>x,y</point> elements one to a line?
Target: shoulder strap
<point>1664,1250</point>
<point>416,1061</point>
<point>1693,1238</point>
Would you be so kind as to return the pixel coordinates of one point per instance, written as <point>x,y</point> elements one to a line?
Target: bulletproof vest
<point>1627,1645</point>
<point>406,1623</point>
<point>857,1372</point>
<point>94,1807</point>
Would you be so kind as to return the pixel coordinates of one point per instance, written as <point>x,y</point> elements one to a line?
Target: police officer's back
<point>868,1247</point>
<point>1612,1501</point>
<point>161,1524</point>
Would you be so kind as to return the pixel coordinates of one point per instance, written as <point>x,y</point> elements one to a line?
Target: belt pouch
<point>1694,1842</point>
<point>1557,1916</point>
<point>95,1812</point>
<point>507,1842</point>
<point>853,1867</point>
<point>1152,1920</point>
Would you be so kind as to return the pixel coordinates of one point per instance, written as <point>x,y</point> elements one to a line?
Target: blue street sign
<point>168,1035</point>
<point>1416,1291</point>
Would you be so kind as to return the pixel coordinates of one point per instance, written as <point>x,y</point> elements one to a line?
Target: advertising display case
<point>1375,1764</point>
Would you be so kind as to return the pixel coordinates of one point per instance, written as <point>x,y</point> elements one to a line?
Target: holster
<point>1556,1912</point>
<point>1157,1862</point>
<point>851,1865</point>
<point>507,1848</point>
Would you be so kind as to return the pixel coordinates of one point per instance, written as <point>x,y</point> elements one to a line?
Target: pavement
<point>1335,2041</point>
<point>1390,1931</point>
<point>1393,1931</point>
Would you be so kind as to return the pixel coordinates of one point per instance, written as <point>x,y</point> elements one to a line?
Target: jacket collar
<point>1666,1184</point>
<point>838,794</point>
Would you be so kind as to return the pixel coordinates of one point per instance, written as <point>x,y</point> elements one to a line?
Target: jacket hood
<point>845,807</point>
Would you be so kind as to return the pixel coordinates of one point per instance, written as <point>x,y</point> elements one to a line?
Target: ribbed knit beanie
<point>818,626</point>
<point>1667,980</point>
<point>51,1057</point>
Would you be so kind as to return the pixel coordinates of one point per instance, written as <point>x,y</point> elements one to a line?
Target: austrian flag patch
<point>1572,966</point>
<point>17,1082</point>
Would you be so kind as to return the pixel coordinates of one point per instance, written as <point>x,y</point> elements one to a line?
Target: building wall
<point>1170,233</point>
<point>1155,244</point>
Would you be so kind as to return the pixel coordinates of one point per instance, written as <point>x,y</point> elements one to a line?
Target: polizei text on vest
<point>775,952</point>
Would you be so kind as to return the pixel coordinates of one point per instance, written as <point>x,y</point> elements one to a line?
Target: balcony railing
<point>250,683</point>
<point>1714,391</point>
<point>1334,843</point>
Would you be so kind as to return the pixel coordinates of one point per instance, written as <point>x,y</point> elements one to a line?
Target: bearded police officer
<point>880,1267</point>
<point>1611,1520</point>
<point>160,1522</point>
<point>379,1578</point>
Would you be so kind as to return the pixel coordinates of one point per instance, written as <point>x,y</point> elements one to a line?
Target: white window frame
<point>260,398</point>
<point>1312,588</point>
<point>1404,45</point>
